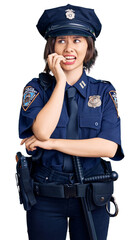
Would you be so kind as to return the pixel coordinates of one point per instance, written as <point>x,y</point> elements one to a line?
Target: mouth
<point>70,59</point>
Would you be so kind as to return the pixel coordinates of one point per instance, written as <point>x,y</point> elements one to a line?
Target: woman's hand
<point>54,61</point>
<point>32,143</point>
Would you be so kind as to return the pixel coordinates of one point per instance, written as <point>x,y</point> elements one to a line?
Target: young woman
<point>45,117</point>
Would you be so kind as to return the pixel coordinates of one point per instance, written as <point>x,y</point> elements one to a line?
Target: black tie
<point>72,128</point>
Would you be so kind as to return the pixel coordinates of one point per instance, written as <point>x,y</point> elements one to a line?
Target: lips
<point>70,59</point>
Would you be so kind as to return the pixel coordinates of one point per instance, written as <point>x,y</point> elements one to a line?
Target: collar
<point>81,84</point>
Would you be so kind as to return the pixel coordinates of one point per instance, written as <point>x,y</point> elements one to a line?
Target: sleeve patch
<point>29,95</point>
<point>113,96</point>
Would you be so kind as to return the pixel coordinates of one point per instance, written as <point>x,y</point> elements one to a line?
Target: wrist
<point>52,143</point>
<point>61,83</point>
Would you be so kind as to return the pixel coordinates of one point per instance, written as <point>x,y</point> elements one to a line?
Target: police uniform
<point>97,117</point>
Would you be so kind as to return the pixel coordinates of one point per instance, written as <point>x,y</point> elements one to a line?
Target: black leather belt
<point>60,190</point>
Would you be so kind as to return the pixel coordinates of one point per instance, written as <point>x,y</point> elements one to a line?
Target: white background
<point>21,53</point>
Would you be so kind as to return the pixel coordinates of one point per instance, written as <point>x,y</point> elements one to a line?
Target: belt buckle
<point>70,190</point>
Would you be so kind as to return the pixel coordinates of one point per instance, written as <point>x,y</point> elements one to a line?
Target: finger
<point>33,145</point>
<point>26,140</point>
<point>57,59</point>
<point>52,54</point>
<point>60,59</point>
<point>28,144</point>
<point>23,141</point>
<point>32,137</point>
<point>29,141</point>
<point>50,59</point>
<point>32,149</point>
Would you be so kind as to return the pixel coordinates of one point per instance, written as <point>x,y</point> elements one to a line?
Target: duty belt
<point>60,190</point>
<point>71,190</point>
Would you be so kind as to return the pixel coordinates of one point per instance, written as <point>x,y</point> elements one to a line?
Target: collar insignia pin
<point>82,84</point>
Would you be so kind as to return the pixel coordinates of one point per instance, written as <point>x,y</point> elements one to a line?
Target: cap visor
<point>68,32</point>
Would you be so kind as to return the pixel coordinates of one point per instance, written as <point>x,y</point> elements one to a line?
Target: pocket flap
<point>102,192</point>
<point>90,122</point>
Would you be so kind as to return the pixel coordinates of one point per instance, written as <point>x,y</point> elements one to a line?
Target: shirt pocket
<point>62,123</point>
<point>89,126</point>
<point>60,130</point>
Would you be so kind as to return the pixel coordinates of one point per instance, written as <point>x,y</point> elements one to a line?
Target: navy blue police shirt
<point>97,116</point>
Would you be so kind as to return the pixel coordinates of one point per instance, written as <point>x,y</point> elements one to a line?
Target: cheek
<point>57,49</point>
<point>84,49</point>
<point>83,52</point>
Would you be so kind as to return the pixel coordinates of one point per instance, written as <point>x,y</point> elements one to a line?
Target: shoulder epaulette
<point>93,80</point>
<point>104,81</point>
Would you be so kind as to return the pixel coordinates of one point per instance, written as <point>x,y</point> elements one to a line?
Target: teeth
<point>69,57</point>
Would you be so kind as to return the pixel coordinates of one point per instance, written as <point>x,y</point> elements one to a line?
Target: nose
<point>68,47</point>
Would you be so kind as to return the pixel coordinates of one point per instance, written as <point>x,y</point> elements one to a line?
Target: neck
<point>73,76</point>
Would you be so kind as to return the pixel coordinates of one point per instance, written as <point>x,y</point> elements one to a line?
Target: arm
<point>48,117</point>
<point>93,147</point>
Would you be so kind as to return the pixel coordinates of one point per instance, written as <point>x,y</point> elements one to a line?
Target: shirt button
<point>96,124</point>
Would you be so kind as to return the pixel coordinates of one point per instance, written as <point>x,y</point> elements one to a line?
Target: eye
<point>61,41</point>
<point>77,40</point>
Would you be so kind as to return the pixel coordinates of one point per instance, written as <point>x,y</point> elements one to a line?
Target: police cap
<point>69,20</point>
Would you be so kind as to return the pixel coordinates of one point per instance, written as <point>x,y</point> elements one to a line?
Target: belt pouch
<point>99,194</point>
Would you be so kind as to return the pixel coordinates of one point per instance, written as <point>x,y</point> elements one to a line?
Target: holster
<point>24,181</point>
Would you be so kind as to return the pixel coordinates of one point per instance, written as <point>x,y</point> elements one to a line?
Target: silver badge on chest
<point>70,14</point>
<point>94,101</point>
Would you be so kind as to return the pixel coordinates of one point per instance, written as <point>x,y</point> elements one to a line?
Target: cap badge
<point>94,101</point>
<point>70,14</point>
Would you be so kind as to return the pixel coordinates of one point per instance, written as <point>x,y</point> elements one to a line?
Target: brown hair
<point>89,58</point>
